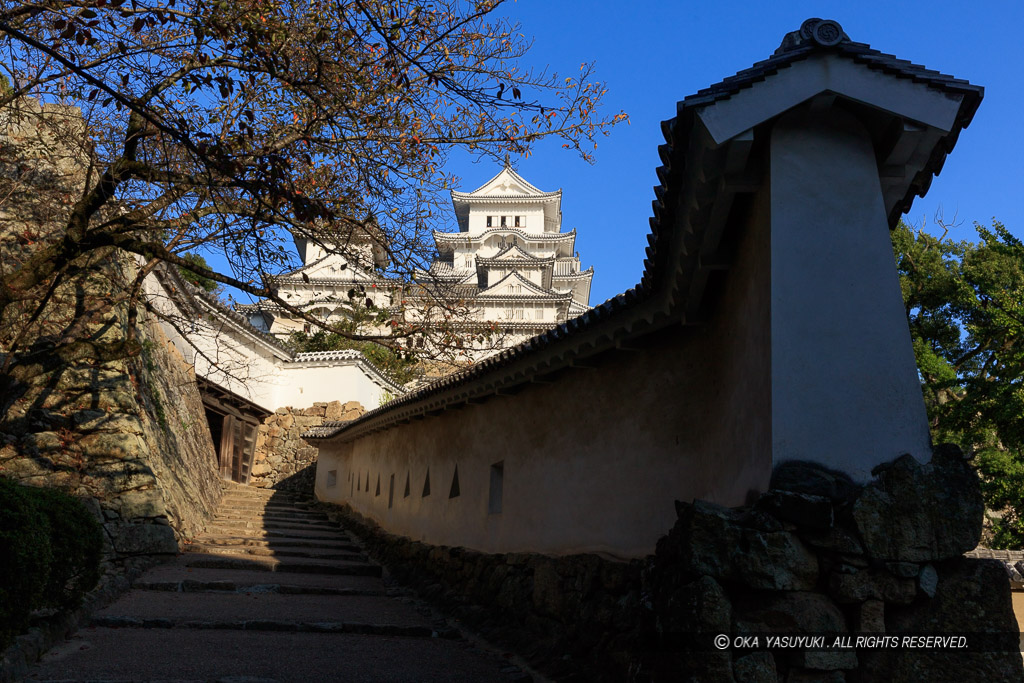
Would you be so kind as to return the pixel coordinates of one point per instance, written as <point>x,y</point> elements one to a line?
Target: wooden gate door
<point>238,446</point>
<point>248,450</point>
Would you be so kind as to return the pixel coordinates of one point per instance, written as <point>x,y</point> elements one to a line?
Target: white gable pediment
<point>513,252</point>
<point>506,183</point>
<point>514,284</point>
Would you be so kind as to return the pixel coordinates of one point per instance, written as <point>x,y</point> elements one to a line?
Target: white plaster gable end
<point>515,285</point>
<point>505,183</point>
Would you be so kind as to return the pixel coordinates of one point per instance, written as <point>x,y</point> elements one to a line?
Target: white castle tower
<point>510,259</point>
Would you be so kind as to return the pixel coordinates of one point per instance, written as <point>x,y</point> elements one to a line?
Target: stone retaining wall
<point>815,554</point>
<point>127,436</point>
<point>282,459</point>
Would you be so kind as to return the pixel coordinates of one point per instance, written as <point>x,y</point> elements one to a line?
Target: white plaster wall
<point>845,390</point>
<point>237,361</point>
<point>302,385</point>
<point>593,461</point>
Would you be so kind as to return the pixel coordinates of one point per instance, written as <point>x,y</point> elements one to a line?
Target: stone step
<point>284,542</point>
<point>263,500</point>
<point>284,611</point>
<point>260,504</point>
<point>225,586</point>
<point>272,516</point>
<point>249,509</point>
<point>221,526</point>
<point>119,621</point>
<point>247,502</point>
<point>314,553</point>
<point>177,575</point>
<point>139,654</point>
<point>286,565</point>
<point>258,532</point>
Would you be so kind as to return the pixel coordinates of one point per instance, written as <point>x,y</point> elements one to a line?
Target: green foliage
<point>77,542</point>
<point>401,369</point>
<point>965,304</point>
<point>50,549</point>
<point>25,558</point>
<point>198,280</point>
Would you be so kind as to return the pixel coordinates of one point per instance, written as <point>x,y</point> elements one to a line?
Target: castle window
<point>490,221</point>
<point>504,221</point>
<point>517,221</point>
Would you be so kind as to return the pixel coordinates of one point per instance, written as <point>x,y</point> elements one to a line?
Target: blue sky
<point>652,54</point>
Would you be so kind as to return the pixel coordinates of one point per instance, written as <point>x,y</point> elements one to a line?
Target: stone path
<point>272,592</point>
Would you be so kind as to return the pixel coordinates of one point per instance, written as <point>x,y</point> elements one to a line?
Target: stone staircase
<point>272,591</point>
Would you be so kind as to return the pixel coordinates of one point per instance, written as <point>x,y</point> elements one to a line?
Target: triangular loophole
<point>378,486</point>
<point>454,491</point>
<point>406,494</point>
<point>426,484</point>
<point>367,489</point>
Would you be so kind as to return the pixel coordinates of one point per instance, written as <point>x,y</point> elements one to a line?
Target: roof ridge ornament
<point>814,31</point>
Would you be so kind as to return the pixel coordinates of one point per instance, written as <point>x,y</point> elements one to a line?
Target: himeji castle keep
<point>509,259</point>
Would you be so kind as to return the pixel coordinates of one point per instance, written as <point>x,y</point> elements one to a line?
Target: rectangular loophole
<point>332,478</point>
<point>497,486</point>
<point>391,492</point>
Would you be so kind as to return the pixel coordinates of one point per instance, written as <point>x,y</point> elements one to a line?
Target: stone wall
<point>815,554</point>
<point>91,401</point>
<point>128,435</point>
<point>282,458</point>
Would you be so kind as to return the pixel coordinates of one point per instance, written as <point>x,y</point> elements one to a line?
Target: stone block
<point>333,411</point>
<point>286,421</point>
<point>788,612</point>
<point>871,617</point>
<point>140,504</point>
<point>972,597</point>
<point>812,676</point>
<point>307,454</point>
<point>803,509</point>
<point>871,584</point>
<point>758,667</point>
<point>907,570</point>
<point>921,513</point>
<point>701,606</point>
<point>141,539</point>
<point>548,595</point>
<point>928,580</point>
<point>111,445</point>
<point>714,543</point>
<point>826,660</point>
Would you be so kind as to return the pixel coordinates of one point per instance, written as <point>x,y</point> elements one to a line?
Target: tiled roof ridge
<point>518,231</point>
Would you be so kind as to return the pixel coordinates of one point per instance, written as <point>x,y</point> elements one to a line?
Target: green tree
<point>400,367</point>
<point>190,275</point>
<point>965,304</point>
